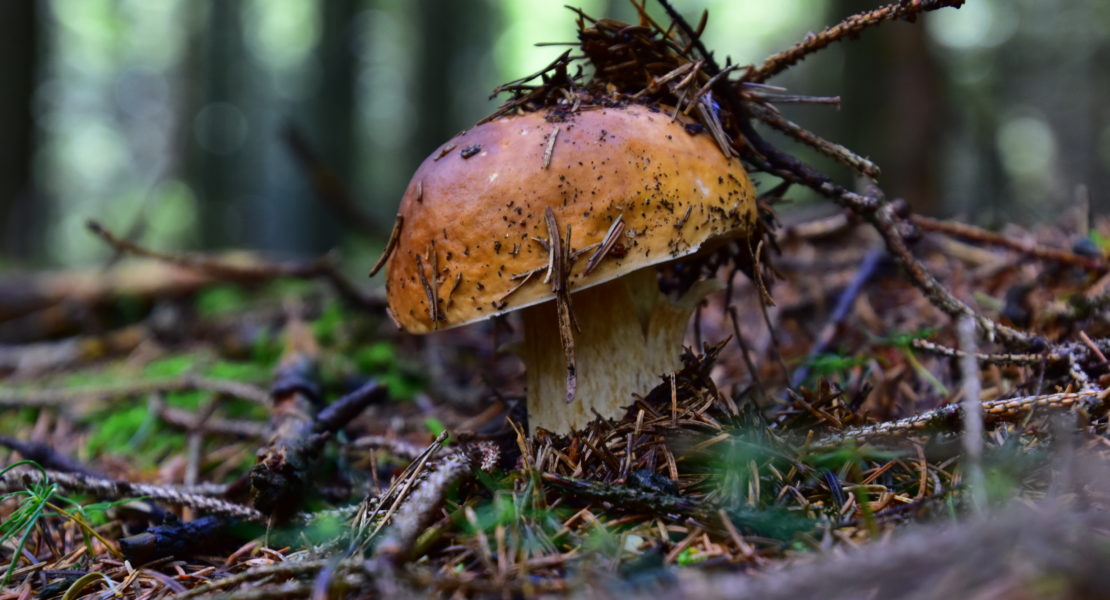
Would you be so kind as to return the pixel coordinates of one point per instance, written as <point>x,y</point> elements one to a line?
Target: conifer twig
<point>184,383</point>
<point>978,234</point>
<point>833,150</point>
<point>111,489</point>
<point>321,268</point>
<point>949,416</point>
<point>850,27</point>
<point>882,216</point>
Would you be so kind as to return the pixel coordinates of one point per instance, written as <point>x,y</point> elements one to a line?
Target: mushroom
<point>522,210</point>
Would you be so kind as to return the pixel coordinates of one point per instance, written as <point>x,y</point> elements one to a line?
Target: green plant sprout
<point>903,342</point>
<point>36,499</point>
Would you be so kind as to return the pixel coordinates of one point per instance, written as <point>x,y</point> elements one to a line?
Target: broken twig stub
<point>558,273</point>
<point>390,245</point>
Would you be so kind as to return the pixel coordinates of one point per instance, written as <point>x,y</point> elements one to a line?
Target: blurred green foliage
<point>380,360</point>
<point>164,117</point>
<point>133,430</point>
<point>221,300</point>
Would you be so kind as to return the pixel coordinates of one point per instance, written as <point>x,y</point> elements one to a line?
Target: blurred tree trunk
<point>1097,169</point>
<point>447,29</point>
<point>892,108</point>
<point>334,111</point>
<point>215,50</point>
<point>22,215</point>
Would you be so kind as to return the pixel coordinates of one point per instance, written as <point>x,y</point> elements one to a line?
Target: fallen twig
<point>322,268</point>
<point>949,417</point>
<point>369,514</point>
<point>843,305</point>
<point>850,27</point>
<point>118,490</point>
<point>833,150</point>
<point>978,234</point>
<point>995,358</point>
<point>327,184</point>
<point>185,383</point>
<point>46,456</point>
<point>882,217</point>
<point>186,420</point>
<point>282,476</point>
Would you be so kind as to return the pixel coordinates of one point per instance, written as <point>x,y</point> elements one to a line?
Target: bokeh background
<point>168,120</point>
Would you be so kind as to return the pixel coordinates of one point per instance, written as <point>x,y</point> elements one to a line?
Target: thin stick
<point>833,150</point>
<point>612,236</point>
<point>744,352</point>
<point>1002,358</point>
<point>279,570</point>
<point>117,490</point>
<point>848,28</point>
<point>184,420</point>
<point>1089,343</point>
<point>972,412</point>
<point>881,216</point>
<point>320,268</point>
<point>843,305</point>
<point>978,234</point>
<point>550,147</point>
<point>396,447</point>
<point>390,245</point>
<point>326,183</point>
<point>791,98</point>
<point>185,383</point>
<point>949,416</point>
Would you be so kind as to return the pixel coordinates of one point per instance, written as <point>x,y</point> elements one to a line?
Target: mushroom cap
<point>475,208</point>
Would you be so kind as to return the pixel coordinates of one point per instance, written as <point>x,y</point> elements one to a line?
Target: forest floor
<point>855,479</point>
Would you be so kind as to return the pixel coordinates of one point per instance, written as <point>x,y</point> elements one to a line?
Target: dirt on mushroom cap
<point>472,245</point>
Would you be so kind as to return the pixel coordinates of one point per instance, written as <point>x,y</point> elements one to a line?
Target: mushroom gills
<point>630,335</point>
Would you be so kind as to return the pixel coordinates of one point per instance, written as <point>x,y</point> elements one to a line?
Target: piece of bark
<point>210,535</point>
<point>279,479</point>
<point>300,425</point>
<point>47,457</point>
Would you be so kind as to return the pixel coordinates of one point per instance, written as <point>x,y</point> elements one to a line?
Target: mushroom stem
<point>630,335</point>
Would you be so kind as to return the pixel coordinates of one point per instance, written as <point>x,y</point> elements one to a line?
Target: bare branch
<point>850,27</point>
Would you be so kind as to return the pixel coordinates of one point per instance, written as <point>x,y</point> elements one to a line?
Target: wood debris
<point>612,237</point>
<point>550,147</point>
<point>558,270</point>
<point>390,245</point>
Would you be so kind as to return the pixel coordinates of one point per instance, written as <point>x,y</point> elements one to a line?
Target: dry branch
<point>978,234</point>
<point>46,456</point>
<point>109,489</point>
<point>185,383</point>
<point>419,509</point>
<point>327,184</point>
<point>833,150</point>
<point>323,268</point>
<point>186,420</point>
<point>848,28</point>
<point>207,536</point>
<point>949,417</point>
<point>282,476</point>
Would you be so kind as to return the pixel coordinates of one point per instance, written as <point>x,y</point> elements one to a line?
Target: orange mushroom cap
<point>474,210</point>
